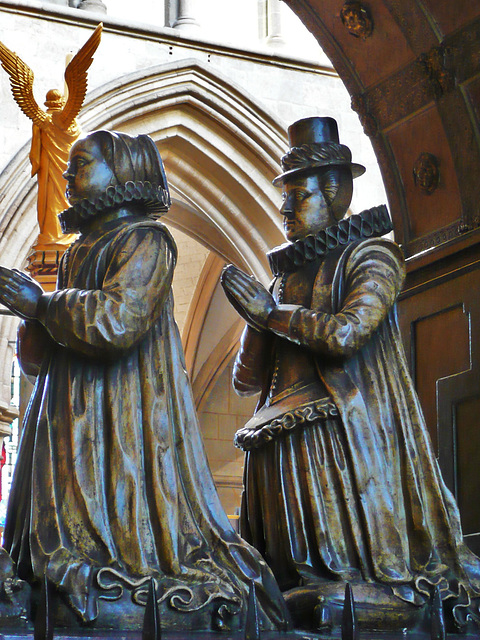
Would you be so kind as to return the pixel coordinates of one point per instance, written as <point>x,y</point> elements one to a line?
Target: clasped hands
<point>19,293</point>
<point>249,298</point>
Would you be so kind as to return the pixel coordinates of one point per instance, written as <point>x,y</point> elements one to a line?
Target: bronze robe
<point>359,497</point>
<point>112,483</point>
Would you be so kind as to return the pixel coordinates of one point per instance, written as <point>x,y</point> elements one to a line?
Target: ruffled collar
<point>154,198</point>
<point>371,223</point>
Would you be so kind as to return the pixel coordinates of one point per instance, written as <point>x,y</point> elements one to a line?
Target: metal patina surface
<point>349,494</point>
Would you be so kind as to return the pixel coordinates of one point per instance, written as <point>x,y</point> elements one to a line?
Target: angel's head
<point>114,170</point>
<point>55,100</point>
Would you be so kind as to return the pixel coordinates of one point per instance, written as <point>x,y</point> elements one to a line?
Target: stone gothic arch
<point>220,150</point>
<point>221,153</point>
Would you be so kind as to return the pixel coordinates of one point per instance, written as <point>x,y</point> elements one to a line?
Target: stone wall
<point>222,414</point>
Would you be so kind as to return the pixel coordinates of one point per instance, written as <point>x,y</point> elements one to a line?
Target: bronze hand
<point>249,297</point>
<point>19,293</point>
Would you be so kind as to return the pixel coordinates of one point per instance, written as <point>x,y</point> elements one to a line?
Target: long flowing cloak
<point>359,497</point>
<point>112,484</point>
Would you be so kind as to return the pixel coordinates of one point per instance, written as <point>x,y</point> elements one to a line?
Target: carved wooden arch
<point>414,79</point>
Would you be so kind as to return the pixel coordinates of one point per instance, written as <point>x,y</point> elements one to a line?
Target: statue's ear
<point>337,189</point>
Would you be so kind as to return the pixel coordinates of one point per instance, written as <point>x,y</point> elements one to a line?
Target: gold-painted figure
<point>54,132</point>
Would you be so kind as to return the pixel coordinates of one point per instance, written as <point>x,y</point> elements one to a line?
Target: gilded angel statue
<point>54,132</point>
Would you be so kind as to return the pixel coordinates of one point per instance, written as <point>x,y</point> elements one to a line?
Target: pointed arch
<point>220,148</point>
<point>221,152</point>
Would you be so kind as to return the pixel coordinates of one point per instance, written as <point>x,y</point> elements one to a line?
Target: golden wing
<point>21,82</point>
<point>76,77</point>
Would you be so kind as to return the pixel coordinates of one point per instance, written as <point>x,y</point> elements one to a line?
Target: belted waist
<point>257,433</point>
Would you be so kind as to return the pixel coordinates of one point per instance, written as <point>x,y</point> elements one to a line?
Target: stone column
<point>274,24</point>
<point>8,413</point>
<point>93,5</point>
<point>185,15</point>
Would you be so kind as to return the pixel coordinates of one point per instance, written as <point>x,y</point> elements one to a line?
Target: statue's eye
<point>301,195</point>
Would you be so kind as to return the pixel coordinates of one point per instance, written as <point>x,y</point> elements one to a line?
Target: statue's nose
<point>287,209</point>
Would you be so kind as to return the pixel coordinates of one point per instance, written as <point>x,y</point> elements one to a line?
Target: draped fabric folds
<point>112,484</point>
<point>358,497</point>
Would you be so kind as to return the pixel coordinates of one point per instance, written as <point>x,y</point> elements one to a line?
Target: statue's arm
<point>113,319</point>
<point>252,362</point>
<point>33,344</point>
<point>374,276</point>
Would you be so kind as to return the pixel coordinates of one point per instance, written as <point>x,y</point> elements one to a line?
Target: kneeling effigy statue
<point>112,487</point>
<point>341,482</point>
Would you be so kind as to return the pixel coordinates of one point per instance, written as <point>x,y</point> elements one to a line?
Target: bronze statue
<point>341,483</point>
<point>53,133</point>
<point>112,485</point>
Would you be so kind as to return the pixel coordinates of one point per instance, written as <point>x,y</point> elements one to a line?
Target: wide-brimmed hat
<point>314,143</point>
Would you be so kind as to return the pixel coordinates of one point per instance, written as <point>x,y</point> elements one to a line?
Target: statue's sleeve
<point>113,319</point>
<point>374,275</point>
<point>252,362</point>
<point>33,345</point>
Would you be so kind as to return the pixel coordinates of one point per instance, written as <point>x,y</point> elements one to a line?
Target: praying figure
<point>112,487</point>
<point>341,483</point>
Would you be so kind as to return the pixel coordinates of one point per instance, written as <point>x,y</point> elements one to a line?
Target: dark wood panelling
<point>450,15</point>
<point>439,314</point>
<point>371,57</point>
<point>465,152</point>
<point>406,92</point>
<point>464,51</point>
<point>411,19</point>
<point>472,93</point>
<point>431,362</point>
<point>413,63</point>
<point>468,456</point>
<point>427,212</point>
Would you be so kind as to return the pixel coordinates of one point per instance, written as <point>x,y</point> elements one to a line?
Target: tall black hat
<point>314,142</point>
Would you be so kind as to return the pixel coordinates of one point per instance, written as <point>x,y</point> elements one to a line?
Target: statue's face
<point>304,208</point>
<point>87,174</point>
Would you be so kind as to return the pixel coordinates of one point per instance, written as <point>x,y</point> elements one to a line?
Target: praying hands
<point>19,293</point>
